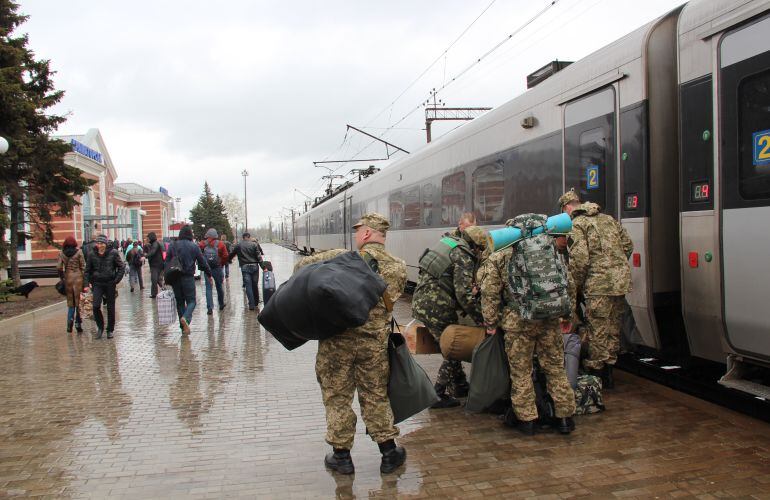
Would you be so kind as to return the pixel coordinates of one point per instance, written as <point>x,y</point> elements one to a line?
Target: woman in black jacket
<point>104,270</point>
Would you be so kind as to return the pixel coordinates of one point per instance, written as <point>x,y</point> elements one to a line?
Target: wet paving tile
<point>229,413</point>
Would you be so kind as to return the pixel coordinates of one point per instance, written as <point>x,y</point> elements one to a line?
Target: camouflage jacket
<point>460,279</point>
<point>392,270</point>
<point>599,248</point>
<point>497,303</point>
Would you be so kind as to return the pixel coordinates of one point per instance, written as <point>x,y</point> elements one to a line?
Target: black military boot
<point>445,400</point>
<point>608,381</point>
<point>340,461</point>
<point>565,425</point>
<point>69,326</point>
<point>392,456</point>
<point>526,427</point>
<point>79,327</point>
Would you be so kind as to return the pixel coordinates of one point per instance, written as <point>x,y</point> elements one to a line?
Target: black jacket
<point>155,253</point>
<point>248,252</point>
<point>188,253</point>
<point>104,269</point>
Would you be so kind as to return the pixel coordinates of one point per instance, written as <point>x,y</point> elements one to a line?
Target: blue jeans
<point>73,315</point>
<point>216,276</point>
<point>184,292</point>
<point>250,274</point>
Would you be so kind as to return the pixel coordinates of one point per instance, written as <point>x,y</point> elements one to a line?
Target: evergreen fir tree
<point>207,213</point>
<point>35,184</point>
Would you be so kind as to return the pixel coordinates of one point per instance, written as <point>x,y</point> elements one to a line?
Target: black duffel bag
<point>322,299</point>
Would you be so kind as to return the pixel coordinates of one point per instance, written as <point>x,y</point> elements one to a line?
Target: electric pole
<point>435,111</point>
<point>245,173</point>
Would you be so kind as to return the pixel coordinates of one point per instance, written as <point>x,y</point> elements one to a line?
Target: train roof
<point>577,78</point>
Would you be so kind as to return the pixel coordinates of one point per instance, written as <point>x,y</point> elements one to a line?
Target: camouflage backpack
<point>537,277</point>
<point>588,395</point>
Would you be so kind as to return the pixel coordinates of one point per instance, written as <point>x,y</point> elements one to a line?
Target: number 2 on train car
<point>761,147</point>
<point>592,177</point>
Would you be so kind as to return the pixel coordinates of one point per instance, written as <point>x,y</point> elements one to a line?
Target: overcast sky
<point>187,91</point>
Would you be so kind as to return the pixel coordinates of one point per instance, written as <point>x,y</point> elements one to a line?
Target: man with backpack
<point>249,256</point>
<point>215,254</point>
<point>135,259</point>
<point>446,285</point>
<point>181,258</point>
<point>599,249</point>
<point>525,290</point>
<point>155,260</point>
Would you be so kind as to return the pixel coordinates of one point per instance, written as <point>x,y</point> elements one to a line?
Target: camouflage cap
<point>568,197</point>
<point>477,235</point>
<point>375,221</point>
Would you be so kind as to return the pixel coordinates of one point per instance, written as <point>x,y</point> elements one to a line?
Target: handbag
<point>490,378</point>
<point>409,388</point>
<point>173,268</point>
<point>60,287</point>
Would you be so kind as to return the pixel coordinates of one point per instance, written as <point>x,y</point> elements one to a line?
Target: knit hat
<point>102,239</point>
<point>212,233</point>
<point>69,241</point>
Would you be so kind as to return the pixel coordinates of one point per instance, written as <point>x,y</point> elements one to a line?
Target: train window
<point>488,193</point>
<point>396,210</point>
<point>428,192</point>
<point>452,198</point>
<point>412,207</point>
<point>754,148</point>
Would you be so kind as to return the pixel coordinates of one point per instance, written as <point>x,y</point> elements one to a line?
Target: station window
<point>452,198</point>
<point>488,193</point>
<point>754,122</point>
<point>412,208</point>
<point>396,210</point>
<point>428,192</point>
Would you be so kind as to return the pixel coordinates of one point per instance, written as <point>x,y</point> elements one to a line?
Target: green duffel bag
<point>409,388</point>
<point>490,378</point>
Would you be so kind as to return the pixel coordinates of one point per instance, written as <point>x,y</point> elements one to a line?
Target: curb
<point>32,314</point>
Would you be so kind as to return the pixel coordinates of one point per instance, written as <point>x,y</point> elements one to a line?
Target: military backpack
<point>588,395</point>
<point>435,260</point>
<point>537,276</point>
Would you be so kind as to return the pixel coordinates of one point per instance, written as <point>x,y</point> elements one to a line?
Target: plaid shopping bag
<point>87,305</point>
<point>166,307</point>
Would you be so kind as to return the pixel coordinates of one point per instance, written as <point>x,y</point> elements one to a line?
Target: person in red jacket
<point>215,254</point>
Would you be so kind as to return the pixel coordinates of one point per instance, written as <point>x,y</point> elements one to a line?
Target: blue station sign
<point>84,150</point>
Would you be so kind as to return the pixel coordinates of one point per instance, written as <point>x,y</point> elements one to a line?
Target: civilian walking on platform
<point>155,260</point>
<point>71,266</point>
<point>104,270</point>
<point>134,260</point>
<point>249,255</point>
<point>229,247</point>
<point>215,253</point>
<point>188,254</point>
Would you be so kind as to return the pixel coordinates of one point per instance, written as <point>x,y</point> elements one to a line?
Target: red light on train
<point>693,258</point>
<point>637,260</point>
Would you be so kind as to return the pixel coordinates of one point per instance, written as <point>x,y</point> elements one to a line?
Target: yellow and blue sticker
<point>592,177</point>
<point>761,141</point>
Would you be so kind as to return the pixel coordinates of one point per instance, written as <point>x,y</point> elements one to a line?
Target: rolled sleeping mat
<point>507,236</point>
<point>458,341</point>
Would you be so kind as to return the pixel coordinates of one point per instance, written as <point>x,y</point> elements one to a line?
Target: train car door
<point>345,226</point>
<point>590,148</point>
<point>744,98</point>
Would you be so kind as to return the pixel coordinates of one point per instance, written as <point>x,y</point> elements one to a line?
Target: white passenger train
<point>668,129</point>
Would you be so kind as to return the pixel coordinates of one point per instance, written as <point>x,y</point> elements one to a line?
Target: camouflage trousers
<point>522,340</point>
<point>349,362</point>
<point>604,314</point>
<point>436,320</point>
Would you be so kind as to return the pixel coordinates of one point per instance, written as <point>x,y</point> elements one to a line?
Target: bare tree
<point>234,210</point>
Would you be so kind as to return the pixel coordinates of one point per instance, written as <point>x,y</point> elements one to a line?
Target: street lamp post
<point>245,173</point>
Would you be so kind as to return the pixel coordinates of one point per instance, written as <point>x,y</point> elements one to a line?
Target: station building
<point>118,210</point>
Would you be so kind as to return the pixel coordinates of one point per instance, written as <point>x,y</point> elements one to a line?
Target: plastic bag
<point>409,388</point>
<point>490,378</point>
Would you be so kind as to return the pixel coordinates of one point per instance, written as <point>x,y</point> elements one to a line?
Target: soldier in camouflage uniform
<point>599,248</point>
<point>467,219</point>
<point>523,338</point>
<point>446,285</point>
<point>357,359</point>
